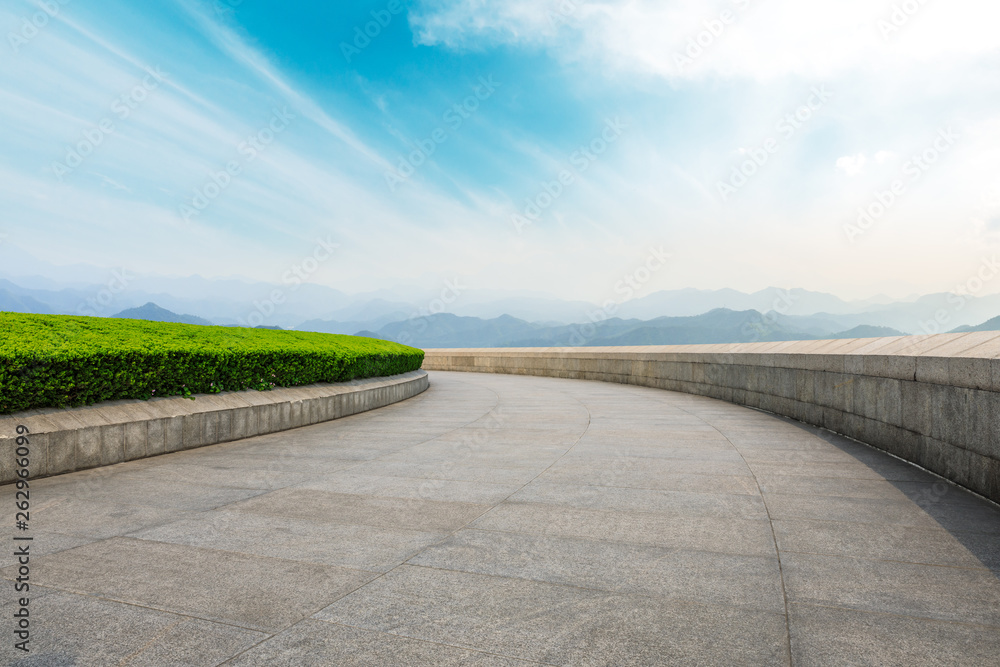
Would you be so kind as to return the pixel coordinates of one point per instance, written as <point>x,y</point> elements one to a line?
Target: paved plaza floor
<point>508,520</point>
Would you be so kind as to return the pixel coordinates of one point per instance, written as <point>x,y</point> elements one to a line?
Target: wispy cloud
<point>232,44</point>
<point>691,38</point>
<point>566,66</point>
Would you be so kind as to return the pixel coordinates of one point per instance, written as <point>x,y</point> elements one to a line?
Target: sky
<point>550,146</point>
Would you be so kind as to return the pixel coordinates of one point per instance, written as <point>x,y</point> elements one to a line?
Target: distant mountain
<point>374,309</point>
<point>531,309</point>
<point>224,301</point>
<point>15,303</point>
<point>447,330</point>
<point>154,313</point>
<point>312,307</point>
<point>868,331</point>
<point>718,326</point>
<point>817,325</point>
<point>688,302</point>
<point>349,327</point>
<point>919,316</point>
<point>991,325</point>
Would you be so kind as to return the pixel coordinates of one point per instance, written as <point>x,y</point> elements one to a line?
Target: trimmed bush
<point>62,361</point>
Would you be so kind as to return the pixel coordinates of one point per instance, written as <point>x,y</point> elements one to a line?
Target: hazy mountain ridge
<point>718,326</point>
<point>154,313</point>
<point>492,317</point>
<point>990,325</point>
<point>21,303</point>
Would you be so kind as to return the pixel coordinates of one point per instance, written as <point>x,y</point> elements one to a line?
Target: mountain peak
<point>154,313</point>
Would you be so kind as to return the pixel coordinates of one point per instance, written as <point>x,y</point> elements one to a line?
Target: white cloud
<point>852,165</point>
<point>107,181</point>
<point>692,38</point>
<point>881,157</point>
<point>124,199</point>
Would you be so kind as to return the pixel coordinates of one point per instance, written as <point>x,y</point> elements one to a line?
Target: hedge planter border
<point>63,441</point>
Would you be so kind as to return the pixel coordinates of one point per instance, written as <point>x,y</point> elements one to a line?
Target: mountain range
<point>991,325</point>
<point>717,326</point>
<point>154,313</point>
<point>462,316</point>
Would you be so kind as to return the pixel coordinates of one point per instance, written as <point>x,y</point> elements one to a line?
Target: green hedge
<point>61,361</point>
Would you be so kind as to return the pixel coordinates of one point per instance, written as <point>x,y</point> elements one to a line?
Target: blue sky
<point>226,137</point>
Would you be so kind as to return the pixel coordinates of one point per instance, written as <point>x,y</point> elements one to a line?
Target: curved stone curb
<point>65,441</point>
<point>932,400</point>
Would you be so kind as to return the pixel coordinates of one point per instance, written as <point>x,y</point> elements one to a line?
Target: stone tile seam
<point>93,596</point>
<point>607,591</point>
<point>895,615</point>
<point>423,640</point>
<point>632,543</point>
<point>982,570</point>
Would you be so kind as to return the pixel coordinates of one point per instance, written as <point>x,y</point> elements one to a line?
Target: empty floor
<point>507,520</point>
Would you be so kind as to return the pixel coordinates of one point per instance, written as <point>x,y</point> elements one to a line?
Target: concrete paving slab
<point>233,478</point>
<point>755,454</point>
<point>730,535</point>
<point>929,546</point>
<point>153,489</point>
<point>265,594</point>
<point>963,595</point>
<point>70,629</point>
<point>99,521</point>
<point>857,470</point>
<point>837,486</point>
<point>881,511</point>
<point>688,452</point>
<point>43,544</point>
<point>661,502</point>
<point>347,508</point>
<point>631,473</point>
<point>482,493</point>
<point>450,470</point>
<point>318,644</point>
<point>559,625</point>
<point>266,462</point>
<point>736,580</point>
<point>824,636</point>
<point>359,547</point>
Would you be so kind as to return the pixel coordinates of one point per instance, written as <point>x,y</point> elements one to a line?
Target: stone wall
<point>932,400</point>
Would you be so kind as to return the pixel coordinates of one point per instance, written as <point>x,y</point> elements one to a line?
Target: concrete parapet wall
<point>932,400</point>
<point>65,441</point>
